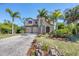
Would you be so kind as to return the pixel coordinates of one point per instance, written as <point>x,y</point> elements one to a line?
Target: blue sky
<point>30,10</point>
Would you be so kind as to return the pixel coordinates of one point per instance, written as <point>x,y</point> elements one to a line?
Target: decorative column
<point>39,28</point>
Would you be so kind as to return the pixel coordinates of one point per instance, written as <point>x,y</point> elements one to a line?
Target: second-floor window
<point>30,22</point>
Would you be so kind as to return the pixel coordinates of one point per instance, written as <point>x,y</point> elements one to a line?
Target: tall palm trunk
<point>55,25</point>
<point>12,25</point>
<point>76,30</point>
<point>39,25</point>
<point>0,30</point>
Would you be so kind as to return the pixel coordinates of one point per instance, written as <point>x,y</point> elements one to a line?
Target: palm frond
<point>15,14</point>
<point>42,13</point>
<point>18,17</point>
<point>9,11</point>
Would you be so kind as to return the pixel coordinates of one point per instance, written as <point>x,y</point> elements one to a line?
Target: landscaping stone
<point>54,52</point>
<point>39,52</point>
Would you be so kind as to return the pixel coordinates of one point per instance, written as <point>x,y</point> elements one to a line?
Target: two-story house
<point>39,25</point>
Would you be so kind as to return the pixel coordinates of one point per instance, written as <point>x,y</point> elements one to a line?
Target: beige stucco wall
<point>44,25</point>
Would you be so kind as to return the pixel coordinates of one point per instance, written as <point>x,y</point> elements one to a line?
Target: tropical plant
<point>72,16</point>
<point>77,27</point>
<point>63,32</point>
<point>0,28</point>
<point>42,13</point>
<point>6,27</point>
<point>69,15</point>
<point>45,47</point>
<point>61,25</point>
<point>72,27</point>
<point>13,15</point>
<point>55,16</point>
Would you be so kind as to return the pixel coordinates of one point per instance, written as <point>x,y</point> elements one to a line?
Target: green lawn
<point>67,48</point>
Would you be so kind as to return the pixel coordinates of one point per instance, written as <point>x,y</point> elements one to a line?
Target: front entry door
<point>47,29</point>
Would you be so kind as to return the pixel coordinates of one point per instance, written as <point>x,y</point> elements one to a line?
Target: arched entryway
<point>47,29</point>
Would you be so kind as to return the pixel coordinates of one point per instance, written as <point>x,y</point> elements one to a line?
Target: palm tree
<point>0,28</point>
<point>71,15</point>
<point>76,12</point>
<point>76,16</point>
<point>55,16</point>
<point>42,14</point>
<point>13,15</point>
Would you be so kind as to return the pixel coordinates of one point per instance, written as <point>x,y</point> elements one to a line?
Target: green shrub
<point>72,27</point>
<point>45,47</point>
<point>63,32</point>
<point>61,25</point>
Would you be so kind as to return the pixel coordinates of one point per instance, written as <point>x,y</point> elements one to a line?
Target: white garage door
<point>35,29</point>
<point>28,29</point>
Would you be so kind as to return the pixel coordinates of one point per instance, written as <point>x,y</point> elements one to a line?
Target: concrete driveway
<point>16,45</point>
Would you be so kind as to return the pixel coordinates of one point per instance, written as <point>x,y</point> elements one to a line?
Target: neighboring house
<point>39,25</point>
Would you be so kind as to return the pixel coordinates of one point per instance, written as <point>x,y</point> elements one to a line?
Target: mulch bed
<point>58,38</point>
